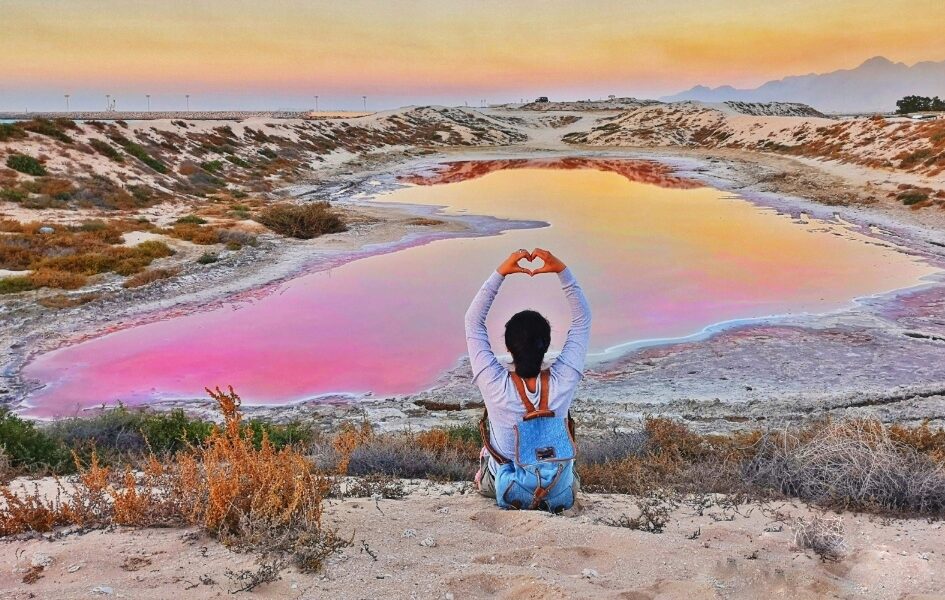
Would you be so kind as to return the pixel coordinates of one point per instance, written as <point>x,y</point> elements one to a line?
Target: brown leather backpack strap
<point>543,401</point>
<point>520,386</point>
<point>487,440</point>
<point>532,411</point>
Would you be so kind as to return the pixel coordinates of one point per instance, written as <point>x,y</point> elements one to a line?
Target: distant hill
<point>874,86</point>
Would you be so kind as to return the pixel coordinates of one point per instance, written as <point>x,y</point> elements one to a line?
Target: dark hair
<point>527,337</point>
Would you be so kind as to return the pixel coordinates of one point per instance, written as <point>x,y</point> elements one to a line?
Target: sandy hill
<point>163,157</point>
<point>875,142</point>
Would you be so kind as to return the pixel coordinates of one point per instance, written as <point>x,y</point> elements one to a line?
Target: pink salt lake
<point>658,256</point>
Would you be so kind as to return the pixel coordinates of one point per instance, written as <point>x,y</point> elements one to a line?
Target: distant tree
<point>911,104</point>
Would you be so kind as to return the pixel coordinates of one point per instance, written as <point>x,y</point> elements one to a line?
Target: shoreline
<point>360,187</point>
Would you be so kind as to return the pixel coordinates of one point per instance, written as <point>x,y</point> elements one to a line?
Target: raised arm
<point>570,363</point>
<point>485,366</point>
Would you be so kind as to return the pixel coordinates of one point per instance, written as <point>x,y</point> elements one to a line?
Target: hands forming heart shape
<point>550,263</point>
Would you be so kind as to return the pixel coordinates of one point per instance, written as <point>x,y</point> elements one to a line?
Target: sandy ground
<point>444,541</point>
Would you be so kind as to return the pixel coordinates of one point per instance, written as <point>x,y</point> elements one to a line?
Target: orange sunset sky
<point>280,53</point>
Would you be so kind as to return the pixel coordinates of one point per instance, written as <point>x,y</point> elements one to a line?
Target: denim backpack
<point>541,474</point>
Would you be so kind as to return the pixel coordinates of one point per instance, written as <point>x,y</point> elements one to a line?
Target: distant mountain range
<point>873,86</point>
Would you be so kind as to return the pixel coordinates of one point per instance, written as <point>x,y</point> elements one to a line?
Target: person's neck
<point>531,383</point>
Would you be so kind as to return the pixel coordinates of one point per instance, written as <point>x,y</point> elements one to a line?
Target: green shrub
<point>303,221</point>
<point>468,433</point>
<point>192,219</point>
<point>10,131</point>
<point>138,152</point>
<point>910,198</point>
<point>208,258</point>
<point>13,285</point>
<point>26,164</point>
<point>106,149</point>
<point>13,195</point>
<point>239,162</point>
<point>282,434</point>
<point>212,166</point>
<point>28,447</point>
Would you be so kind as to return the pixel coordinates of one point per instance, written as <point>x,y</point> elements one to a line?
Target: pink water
<point>658,256</point>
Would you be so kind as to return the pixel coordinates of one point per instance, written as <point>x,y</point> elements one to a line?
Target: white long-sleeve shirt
<point>494,380</point>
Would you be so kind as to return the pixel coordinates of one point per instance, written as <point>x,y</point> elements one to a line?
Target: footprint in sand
<point>476,586</point>
<point>510,522</point>
<point>569,560</point>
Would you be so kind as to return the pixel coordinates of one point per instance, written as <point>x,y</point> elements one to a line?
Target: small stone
<point>924,556</point>
<point>103,590</point>
<point>589,574</point>
<point>46,230</point>
<point>449,596</point>
<point>74,568</point>
<point>41,560</point>
<point>428,542</point>
<point>409,533</point>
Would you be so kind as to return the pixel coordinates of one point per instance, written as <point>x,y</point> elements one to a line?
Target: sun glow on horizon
<point>424,50</point>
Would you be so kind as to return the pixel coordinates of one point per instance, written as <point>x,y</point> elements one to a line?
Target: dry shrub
<point>434,440</point>
<point>118,259</point>
<point>655,513</point>
<point>923,439</point>
<point>854,464</point>
<point>258,499</point>
<point>57,188</point>
<point>347,440</point>
<point>424,221</point>
<point>150,276</point>
<point>56,279</point>
<point>373,486</point>
<point>194,233</point>
<point>822,534</point>
<point>665,454</point>
<point>302,221</point>
<point>400,455</point>
<point>188,168</point>
<point>86,249</point>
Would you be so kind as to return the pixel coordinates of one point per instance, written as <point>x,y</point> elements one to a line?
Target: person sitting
<point>528,456</point>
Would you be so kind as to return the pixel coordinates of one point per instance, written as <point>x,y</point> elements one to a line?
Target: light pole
<point>67,102</point>
<point>108,102</point>
<point>364,101</point>
<point>316,103</point>
<point>148,96</point>
<point>187,96</point>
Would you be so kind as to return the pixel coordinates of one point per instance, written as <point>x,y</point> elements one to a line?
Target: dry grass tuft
<point>854,464</point>
<point>60,301</point>
<point>254,499</point>
<point>822,534</point>
<point>150,276</point>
